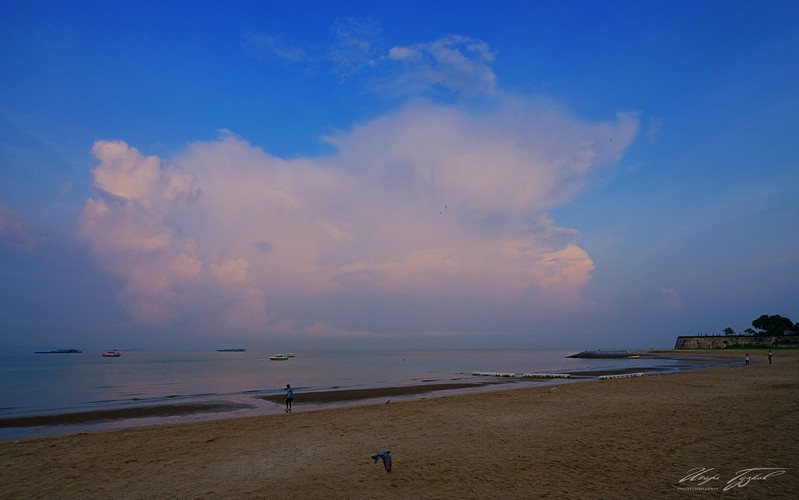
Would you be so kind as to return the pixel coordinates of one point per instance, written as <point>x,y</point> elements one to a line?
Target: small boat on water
<point>279,357</point>
<point>111,354</point>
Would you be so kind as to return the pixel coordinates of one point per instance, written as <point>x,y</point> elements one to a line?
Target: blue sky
<point>421,174</point>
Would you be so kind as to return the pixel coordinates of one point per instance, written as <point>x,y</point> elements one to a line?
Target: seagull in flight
<point>385,456</point>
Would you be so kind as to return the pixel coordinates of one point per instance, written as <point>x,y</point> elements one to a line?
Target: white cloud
<point>263,46</point>
<point>426,202</point>
<point>521,159</point>
<point>454,63</point>
<point>402,53</point>
<point>356,46</point>
<point>654,128</point>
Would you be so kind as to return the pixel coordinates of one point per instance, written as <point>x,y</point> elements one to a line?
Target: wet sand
<point>359,394</point>
<point>220,408</point>
<point>637,437</point>
<point>117,414</point>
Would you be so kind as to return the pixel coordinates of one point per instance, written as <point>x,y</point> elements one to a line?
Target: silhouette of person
<point>289,397</point>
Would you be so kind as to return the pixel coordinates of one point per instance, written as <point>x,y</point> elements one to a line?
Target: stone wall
<point>721,342</point>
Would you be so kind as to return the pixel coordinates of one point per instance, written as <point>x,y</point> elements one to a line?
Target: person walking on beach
<point>769,357</point>
<point>289,397</point>
<point>746,359</point>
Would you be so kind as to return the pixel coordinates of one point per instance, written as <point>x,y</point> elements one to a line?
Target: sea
<point>57,384</point>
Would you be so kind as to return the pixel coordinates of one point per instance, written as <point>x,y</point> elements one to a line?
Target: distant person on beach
<point>289,397</point>
<point>746,359</point>
<point>769,357</point>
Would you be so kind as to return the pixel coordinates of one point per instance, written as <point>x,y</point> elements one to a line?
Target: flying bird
<point>386,457</point>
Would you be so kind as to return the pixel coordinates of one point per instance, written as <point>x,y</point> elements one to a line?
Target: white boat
<point>111,354</point>
<point>279,357</point>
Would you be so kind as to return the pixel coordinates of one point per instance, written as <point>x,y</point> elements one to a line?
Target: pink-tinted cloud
<point>131,229</point>
<point>429,202</point>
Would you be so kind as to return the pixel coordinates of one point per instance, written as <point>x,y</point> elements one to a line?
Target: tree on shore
<point>772,325</point>
<point>728,331</point>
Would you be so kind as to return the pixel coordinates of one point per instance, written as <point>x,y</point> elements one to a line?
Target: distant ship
<point>232,350</point>
<point>111,354</point>
<point>59,351</point>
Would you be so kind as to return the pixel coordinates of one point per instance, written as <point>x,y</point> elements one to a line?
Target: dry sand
<point>624,438</point>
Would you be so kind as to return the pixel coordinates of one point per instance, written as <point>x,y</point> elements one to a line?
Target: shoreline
<point>318,398</point>
<point>166,413</point>
<point>215,409</point>
<point>622,438</point>
<point>168,410</point>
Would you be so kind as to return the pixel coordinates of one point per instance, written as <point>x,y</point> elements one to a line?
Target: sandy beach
<point>677,435</point>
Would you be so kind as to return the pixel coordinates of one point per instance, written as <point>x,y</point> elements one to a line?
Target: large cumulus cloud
<point>429,201</point>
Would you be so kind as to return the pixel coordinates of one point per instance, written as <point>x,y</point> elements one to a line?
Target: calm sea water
<point>35,384</point>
